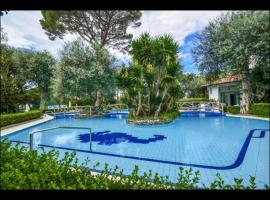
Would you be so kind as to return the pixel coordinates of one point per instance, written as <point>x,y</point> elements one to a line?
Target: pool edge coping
<point>248,117</point>
<point>47,118</point>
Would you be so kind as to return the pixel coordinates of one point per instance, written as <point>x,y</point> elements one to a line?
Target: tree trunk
<point>148,101</point>
<point>158,82</point>
<point>159,106</point>
<point>245,94</point>
<point>157,86</point>
<point>139,104</point>
<point>169,104</point>
<point>140,95</point>
<point>98,98</point>
<point>42,100</point>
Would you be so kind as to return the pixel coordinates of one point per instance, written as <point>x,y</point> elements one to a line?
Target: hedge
<point>260,109</point>
<point>169,116</point>
<point>232,109</point>
<point>13,118</point>
<point>195,100</point>
<point>23,169</point>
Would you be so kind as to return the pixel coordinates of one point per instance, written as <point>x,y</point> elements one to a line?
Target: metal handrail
<point>67,127</point>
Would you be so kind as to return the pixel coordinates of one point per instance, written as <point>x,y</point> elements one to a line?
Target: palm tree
<point>153,73</point>
<point>169,80</point>
<point>166,57</point>
<point>142,56</point>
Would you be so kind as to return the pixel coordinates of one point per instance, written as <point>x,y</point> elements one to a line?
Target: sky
<point>24,30</point>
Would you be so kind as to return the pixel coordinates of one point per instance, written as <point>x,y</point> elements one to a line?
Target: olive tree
<point>39,72</point>
<point>82,71</point>
<point>103,28</point>
<point>236,42</point>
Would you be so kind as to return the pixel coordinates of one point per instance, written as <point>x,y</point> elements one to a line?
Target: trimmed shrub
<point>195,100</point>
<point>260,109</point>
<point>13,118</point>
<point>23,169</point>
<point>232,109</point>
<point>169,116</point>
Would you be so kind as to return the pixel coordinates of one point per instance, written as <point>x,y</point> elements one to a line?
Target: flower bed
<point>147,121</point>
<point>151,120</point>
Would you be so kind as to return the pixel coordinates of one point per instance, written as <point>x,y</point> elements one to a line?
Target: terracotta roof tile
<point>229,79</point>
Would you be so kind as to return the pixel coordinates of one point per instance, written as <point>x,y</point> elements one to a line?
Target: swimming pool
<point>233,147</point>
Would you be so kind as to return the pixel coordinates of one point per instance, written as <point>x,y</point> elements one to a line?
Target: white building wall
<point>214,93</point>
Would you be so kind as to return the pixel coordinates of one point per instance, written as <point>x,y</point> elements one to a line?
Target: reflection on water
<point>37,139</point>
<point>64,139</point>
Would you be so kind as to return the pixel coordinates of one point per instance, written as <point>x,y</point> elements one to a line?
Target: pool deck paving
<point>20,126</point>
<point>248,117</point>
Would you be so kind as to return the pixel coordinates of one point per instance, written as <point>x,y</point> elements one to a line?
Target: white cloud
<point>120,57</point>
<point>23,28</point>
<point>177,23</point>
<point>184,55</point>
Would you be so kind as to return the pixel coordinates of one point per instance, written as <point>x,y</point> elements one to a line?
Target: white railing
<point>87,110</point>
<point>201,106</point>
<point>116,107</point>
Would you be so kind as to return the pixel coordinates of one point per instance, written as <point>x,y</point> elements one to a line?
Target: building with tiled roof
<point>225,90</point>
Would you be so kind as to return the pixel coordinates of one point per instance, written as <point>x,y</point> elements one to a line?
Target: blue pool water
<point>233,147</point>
<point>200,114</point>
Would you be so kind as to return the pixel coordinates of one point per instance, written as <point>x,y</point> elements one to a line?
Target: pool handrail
<point>57,127</point>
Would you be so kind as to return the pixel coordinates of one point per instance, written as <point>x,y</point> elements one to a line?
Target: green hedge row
<point>195,100</point>
<point>13,118</point>
<point>23,169</point>
<point>232,109</point>
<point>169,116</point>
<point>260,109</point>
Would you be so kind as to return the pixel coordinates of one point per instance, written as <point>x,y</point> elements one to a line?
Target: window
<point>210,90</point>
<point>222,97</point>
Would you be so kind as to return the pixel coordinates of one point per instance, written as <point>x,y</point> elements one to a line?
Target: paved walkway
<point>24,125</point>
